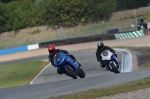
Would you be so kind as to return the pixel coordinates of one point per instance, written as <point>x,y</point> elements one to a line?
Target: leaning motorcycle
<point>111,61</point>
<point>68,65</point>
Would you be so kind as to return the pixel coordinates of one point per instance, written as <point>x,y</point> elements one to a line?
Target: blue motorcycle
<point>111,61</point>
<point>68,65</point>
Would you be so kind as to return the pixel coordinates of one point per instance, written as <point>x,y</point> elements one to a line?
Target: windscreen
<point>58,58</point>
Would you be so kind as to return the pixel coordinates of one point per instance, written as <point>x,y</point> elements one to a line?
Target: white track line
<point>126,60</point>
<point>40,73</point>
<point>122,59</point>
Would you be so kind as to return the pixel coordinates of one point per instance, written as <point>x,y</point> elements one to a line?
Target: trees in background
<point>131,4</point>
<point>15,17</point>
<point>18,14</point>
<point>2,17</point>
<point>102,9</point>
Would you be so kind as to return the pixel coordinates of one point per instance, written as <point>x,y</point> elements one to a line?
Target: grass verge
<point>20,73</point>
<point>97,93</point>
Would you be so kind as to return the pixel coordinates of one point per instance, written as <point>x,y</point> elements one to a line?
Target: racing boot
<point>102,64</point>
<point>59,71</point>
<point>107,68</point>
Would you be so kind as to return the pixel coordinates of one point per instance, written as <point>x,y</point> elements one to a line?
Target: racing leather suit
<point>65,52</point>
<point>99,51</point>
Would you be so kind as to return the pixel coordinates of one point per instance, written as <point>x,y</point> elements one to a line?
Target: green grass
<point>20,73</point>
<point>97,93</point>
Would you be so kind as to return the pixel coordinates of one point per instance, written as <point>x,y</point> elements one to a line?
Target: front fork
<point>107,64</point>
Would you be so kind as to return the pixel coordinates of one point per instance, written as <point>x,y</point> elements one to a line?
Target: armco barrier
<point>78,40</point>
<point>128,35</point>
<point>19,49</point>
<point>58,42</point>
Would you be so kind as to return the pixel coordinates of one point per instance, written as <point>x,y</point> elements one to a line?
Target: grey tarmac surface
<point>43,91</point>
<point>96,77</point>
<point>89,64</point>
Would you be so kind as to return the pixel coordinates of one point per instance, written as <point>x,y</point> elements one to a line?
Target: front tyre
<point>81,73</point>
<point>70,72</point>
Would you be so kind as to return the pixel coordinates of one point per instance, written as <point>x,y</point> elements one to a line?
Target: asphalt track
<point>54,84</point>
<point>68,86</point>
<point>89,64</point>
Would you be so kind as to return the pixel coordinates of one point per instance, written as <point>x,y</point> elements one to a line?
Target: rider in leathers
<point>52,50</point>
<point>100,48</point>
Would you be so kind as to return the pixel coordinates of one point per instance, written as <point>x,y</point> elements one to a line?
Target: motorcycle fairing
<point>61,60</point>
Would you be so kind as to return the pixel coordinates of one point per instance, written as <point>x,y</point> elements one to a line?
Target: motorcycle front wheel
<point>81,73</point>
<point>113,67</point>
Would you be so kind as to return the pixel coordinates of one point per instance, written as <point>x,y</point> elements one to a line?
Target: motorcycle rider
<point>52,50</point>
<point>100,48</point>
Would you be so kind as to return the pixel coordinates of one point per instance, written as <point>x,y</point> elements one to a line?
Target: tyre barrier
<point>129,35</point>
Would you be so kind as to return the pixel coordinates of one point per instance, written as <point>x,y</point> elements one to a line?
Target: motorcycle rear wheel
<point>70,72</point>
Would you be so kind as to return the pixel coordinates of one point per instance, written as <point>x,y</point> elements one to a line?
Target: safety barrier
<point>19,49</point>
<point>128,35</point>
<point>58,42</point>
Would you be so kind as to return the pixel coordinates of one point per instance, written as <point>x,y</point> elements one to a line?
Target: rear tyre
<point>70,72</point>
<point>81,73</point>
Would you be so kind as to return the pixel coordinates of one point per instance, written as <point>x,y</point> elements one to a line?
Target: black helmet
<point>100,45</point>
